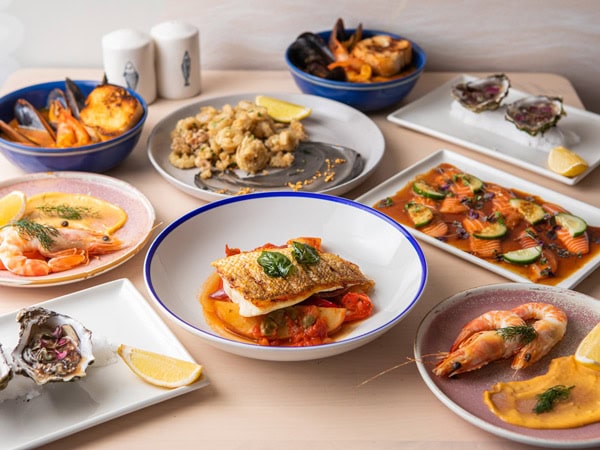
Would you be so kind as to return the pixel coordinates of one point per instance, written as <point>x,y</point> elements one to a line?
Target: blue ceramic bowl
<point>98,157</point>
<point>362,96</point>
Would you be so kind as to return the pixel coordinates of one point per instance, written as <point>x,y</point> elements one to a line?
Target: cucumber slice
<point>426,190</point>
<point>494,230</point>
<point>575,225</point>
<point>421,215</point>
<point>523,255</point>
<point>474,183</point>
<point>531,212</point>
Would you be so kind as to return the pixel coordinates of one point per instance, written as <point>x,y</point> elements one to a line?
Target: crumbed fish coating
<point>247,284</point>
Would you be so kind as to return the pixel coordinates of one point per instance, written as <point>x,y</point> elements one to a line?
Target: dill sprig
<point>547,399</point>
<point>525,333</point>
<point>65,211</point>
<point>32,230</point>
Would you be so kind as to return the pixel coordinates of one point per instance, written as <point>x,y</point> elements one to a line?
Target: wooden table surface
<point>254,404</point>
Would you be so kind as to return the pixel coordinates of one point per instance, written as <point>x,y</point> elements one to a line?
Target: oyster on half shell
<point>535,114</point>
<point>483,94</point>
<point>6,372</point>
<point>51,347</point>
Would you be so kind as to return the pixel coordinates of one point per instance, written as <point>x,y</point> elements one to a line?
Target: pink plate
<point>464,393</point>
<point>135,232</point>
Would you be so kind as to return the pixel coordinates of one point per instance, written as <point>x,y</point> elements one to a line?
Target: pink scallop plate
<point>463,394</point>
<point>135,233</point>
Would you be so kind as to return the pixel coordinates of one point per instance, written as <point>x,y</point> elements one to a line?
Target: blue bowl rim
<point>81,150</point>
<point>416,48</point>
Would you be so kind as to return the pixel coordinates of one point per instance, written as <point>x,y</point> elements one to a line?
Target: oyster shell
<point>6,372</point>
<point>483,94</point>
<point>535,114</point>
<point>51,347</point>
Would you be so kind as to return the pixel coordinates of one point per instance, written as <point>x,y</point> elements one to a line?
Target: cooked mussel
<point>310,53</point>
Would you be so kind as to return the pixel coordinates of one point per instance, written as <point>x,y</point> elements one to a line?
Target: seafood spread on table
<point>298,294</point>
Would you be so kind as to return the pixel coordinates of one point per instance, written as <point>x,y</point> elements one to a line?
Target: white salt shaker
<point>177,46</point>
<point>128,57</point>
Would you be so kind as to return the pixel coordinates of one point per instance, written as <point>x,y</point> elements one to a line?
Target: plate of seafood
<point>488,116</point>
<point>229,145</point>
<point>37,408</point>
<point>502,357</point>
<point>69,226</point>
<point>283,288</point>
<point>498,221</point>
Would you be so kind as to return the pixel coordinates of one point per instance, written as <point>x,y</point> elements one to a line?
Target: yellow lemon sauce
<point>81,211</point>
<point>514,401</point>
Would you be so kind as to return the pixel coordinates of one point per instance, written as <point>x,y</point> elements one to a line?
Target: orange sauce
<point>514,401</point>
<point>568,264</point>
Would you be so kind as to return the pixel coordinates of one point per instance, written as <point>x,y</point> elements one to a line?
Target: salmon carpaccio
<point>459,213</point>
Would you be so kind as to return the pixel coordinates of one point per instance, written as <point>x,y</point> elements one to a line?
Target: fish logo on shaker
<point>186,65</point>
<point>131,75</point>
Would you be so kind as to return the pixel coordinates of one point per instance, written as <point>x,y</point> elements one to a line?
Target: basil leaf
<point>305,254</point>
<point>275,264</point>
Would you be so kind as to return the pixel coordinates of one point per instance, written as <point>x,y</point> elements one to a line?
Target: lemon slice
<point>12,207</point>
<point>282,111</point>
<point>588,351</point>
<point>159,370</point>
<point>566,162</point>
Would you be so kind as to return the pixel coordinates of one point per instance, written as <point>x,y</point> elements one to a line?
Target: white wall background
<point>558,36</point>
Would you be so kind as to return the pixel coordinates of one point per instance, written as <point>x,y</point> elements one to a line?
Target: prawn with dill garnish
<point>28,248</point>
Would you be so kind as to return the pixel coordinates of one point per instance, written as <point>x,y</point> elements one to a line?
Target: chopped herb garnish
<point>386,202</point>
<point>525,333</point>
<point>275,264</point>
<point>547,399</point>
<point>305,254</point>
<point>65,211</point>
<point>33,230</point>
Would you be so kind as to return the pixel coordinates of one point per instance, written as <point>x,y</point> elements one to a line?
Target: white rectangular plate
<point>431,114</point>
<point>117,312</point>
<point>486,173</point>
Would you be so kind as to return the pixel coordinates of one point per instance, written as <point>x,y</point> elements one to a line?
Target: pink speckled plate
<point>464,393</point>
<point>135,232</point>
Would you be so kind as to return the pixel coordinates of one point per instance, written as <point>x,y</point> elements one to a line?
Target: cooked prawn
<point>27,256</point>
<point>479,343</point>
<point>550,324</point>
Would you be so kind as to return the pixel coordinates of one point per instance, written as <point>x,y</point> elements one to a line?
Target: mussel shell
<point>310,158</point>
<point>535,114</point>
<point>483,94</point>
<point>33,322</point>
<point>310,53</point>
<point>75,97</point>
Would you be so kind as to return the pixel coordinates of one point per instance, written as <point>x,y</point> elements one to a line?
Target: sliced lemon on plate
<point>588,351</point>
<point>282,111</point>
<point>159,370</point>
<point>12,207</point>
<point>566,162</point>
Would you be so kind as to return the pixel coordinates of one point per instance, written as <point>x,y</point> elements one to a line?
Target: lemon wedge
<point>159,370</point>
<point>282,111</point>
<point>588,351</point>
<point>566,162</point>
<point>12,207</point>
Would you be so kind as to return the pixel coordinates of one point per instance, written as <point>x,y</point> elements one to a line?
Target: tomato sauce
<point>482,206</point>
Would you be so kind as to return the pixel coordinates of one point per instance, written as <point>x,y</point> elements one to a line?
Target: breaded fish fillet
<point>247,284</point>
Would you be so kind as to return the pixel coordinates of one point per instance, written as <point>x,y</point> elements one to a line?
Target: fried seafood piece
<point>247,284</point>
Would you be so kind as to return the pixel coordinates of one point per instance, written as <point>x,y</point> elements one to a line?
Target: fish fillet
<point>247,284</point>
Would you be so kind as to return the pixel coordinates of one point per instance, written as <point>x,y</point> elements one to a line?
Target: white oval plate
<point>135,232</point>
<point>178,261</point>
<point>330,121</point>
<point>463,394</point>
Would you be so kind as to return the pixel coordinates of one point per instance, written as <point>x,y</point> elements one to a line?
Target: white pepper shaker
<point>128,57</point>
<point>177,46</point>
